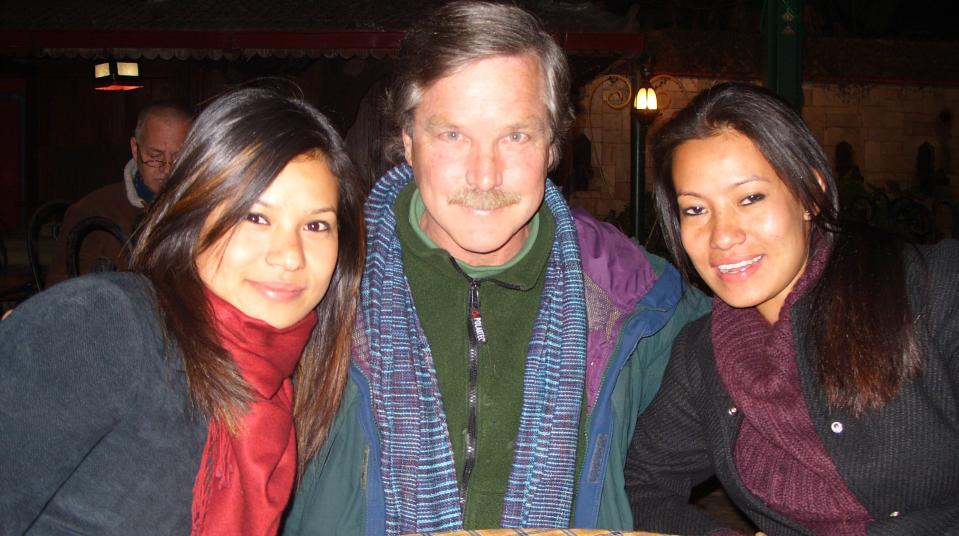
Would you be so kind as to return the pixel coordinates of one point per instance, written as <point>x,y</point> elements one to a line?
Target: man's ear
<point>408,147</point>
<point>133,147</point>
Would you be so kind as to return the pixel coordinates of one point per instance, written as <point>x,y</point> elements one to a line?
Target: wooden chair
<point>85,228</point>
<point>46,219</point>
<point>48,215</point>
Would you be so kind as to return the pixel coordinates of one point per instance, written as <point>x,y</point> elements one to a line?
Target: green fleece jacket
<point>508,302</point>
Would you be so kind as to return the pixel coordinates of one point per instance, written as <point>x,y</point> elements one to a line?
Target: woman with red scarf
<point>823,389</point>
<point>186,395</point>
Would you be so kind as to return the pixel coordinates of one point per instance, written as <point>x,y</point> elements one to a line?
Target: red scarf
<point>245,481</point>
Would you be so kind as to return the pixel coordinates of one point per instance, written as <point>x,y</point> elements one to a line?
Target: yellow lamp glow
<point>101,70</point>
<point>128,68</point>
<point>645,99</point>
<point>640,102</point>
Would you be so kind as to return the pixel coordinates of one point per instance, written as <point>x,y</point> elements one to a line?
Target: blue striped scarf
<point>419,480</point>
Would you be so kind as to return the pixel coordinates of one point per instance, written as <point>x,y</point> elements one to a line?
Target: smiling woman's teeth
<point>728,268</point>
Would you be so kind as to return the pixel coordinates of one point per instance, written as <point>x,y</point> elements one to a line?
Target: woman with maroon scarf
<point>823,390</point>
<point>186,397</point>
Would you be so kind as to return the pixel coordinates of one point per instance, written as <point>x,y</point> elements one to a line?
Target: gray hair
<point>165,111</point>
<point>460,33</point>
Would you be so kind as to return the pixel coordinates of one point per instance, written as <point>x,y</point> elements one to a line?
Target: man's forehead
<point>164,129</point>
<point>151,148</point>
<point>506,77</point>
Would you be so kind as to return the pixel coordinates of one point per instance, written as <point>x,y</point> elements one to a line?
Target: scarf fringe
<point>216,466</point>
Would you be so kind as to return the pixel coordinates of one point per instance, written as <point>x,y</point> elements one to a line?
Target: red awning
<point>170,44</point>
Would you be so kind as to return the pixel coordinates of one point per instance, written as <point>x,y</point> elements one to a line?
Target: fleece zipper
<point>476,338</point>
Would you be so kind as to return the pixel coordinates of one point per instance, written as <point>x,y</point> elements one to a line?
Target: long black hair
<point>237,147</point>
<point>864,337</point>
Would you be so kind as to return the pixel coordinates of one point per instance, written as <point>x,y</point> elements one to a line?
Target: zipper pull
<point>475,318</point>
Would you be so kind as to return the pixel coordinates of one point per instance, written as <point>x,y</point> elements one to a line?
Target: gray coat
<point>97,435</point>
<point>901,462</point>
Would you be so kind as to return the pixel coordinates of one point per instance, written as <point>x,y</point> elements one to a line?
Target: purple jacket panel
<point>618,274</point>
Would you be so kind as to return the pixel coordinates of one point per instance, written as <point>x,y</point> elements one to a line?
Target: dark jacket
<point>97,435</point>
<point>901,462</point>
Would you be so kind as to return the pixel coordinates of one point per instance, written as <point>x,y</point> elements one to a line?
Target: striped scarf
<point>419,480</point>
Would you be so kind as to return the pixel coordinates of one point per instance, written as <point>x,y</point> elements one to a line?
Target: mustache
<point>484,200</point>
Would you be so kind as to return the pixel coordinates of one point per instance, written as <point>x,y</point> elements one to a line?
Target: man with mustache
<point>504,345</point>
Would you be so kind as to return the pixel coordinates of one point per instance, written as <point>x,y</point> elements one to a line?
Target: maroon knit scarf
<point>245,481</point>
<point>778,453</point>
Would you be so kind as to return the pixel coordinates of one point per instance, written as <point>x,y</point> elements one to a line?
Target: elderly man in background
<point>504,344</point>
<point>160,131</point>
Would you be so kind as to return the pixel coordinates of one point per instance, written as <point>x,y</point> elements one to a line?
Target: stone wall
<point>609,131</point>
<point>884,123</point>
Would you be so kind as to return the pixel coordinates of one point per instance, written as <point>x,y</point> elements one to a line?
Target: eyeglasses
<point>156,164</point>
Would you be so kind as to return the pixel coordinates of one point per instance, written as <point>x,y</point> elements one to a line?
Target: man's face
<point>159,144</point>
<point>479,149</point>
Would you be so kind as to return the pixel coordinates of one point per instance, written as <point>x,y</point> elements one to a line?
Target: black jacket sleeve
<point>66,376</point>
<point>668,454</point>
<point>937,310</point>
